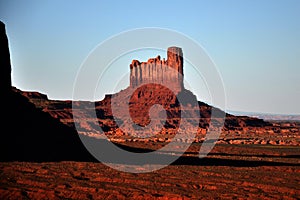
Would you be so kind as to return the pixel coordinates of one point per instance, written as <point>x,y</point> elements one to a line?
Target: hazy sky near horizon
<point>254,44</point>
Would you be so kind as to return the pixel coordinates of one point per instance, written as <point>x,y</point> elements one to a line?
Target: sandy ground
<point>229,172</point>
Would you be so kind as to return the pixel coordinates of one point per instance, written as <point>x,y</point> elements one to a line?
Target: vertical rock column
<point>134,73</point>
<point>175,61</point>
<point>4,61</point>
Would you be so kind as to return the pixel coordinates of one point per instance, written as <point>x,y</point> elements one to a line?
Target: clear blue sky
<point>255,44</point>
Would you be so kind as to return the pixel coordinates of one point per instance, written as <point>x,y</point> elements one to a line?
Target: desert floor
<point>228,172</point>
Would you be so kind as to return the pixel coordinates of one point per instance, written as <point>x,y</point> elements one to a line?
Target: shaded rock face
<point>165,72</point>
<point>5,66</point>
<point>29,134</point>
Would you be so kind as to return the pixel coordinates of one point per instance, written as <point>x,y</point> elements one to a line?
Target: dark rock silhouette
<point>5,68</point>
<point>29,134</point>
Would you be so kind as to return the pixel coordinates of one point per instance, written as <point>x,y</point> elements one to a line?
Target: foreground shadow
<point>29,134</point>
<point>116,156</point>
<point>207,161</point>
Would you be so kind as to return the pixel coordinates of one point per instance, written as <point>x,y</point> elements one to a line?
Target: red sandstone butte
<point>164,72</point>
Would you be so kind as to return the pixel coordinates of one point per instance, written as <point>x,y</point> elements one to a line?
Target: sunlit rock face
<point>165,72</point>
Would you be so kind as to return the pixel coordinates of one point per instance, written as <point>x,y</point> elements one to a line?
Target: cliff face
<point>5,84</point>
<point>165,72</point>
<point>29,134</point>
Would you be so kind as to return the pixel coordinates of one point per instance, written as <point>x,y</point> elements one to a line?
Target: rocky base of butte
<point>236,130</point>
